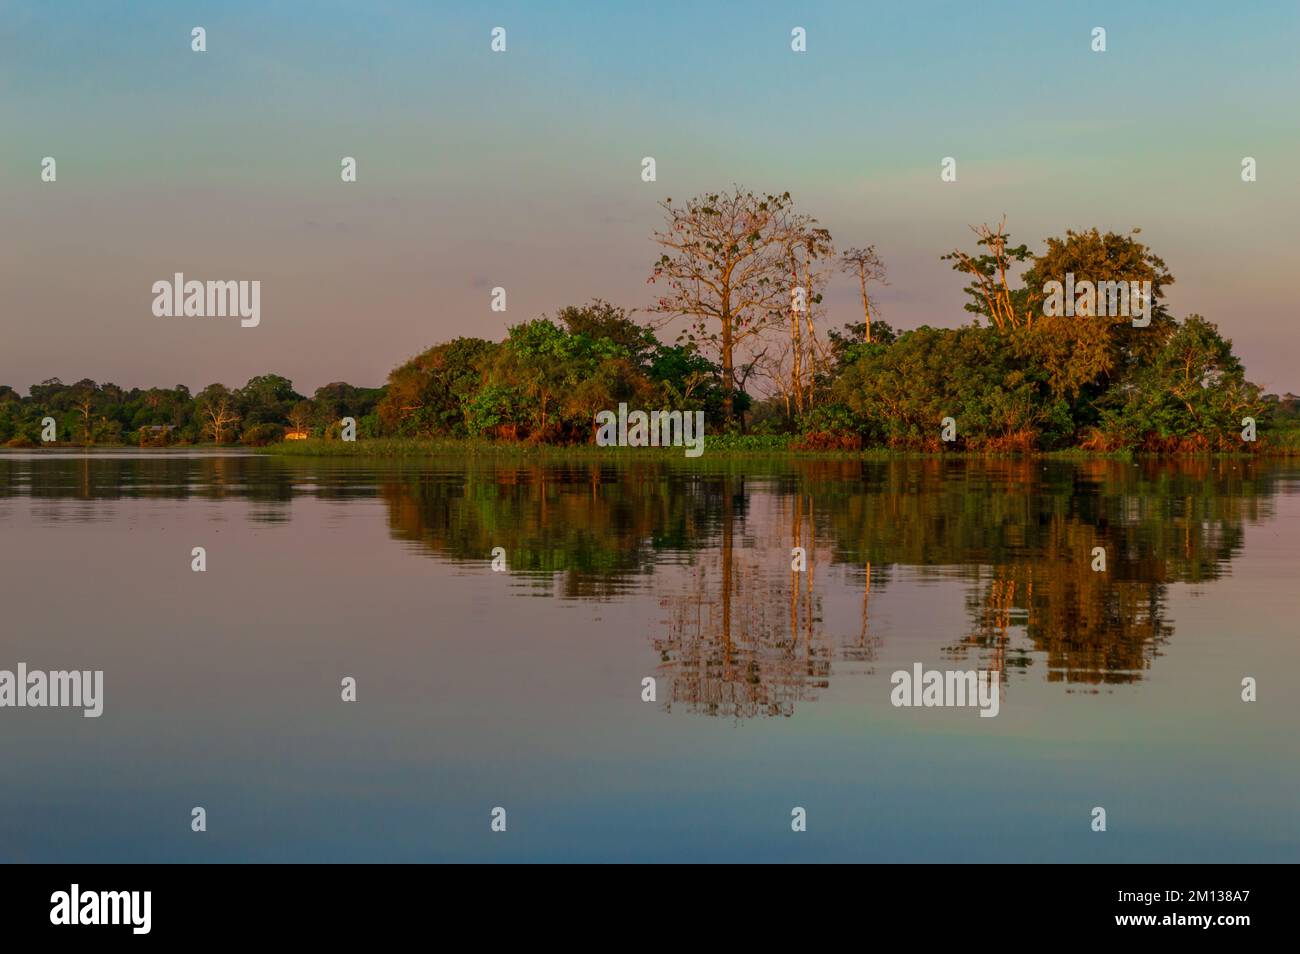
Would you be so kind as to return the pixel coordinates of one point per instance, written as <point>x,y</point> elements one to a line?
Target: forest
<point>739,327</point>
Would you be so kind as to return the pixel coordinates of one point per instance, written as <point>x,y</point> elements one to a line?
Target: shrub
<point>259,435</point>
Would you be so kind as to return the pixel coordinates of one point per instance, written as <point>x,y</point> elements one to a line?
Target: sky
<point>522,169</point>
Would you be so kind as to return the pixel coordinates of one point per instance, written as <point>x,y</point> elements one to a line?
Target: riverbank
<point>1282,445</point>
<point>728,446</point>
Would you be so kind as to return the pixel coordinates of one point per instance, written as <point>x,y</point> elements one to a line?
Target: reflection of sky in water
<point>523,690</point>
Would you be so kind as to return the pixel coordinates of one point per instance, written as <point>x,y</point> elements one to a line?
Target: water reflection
<point>748,639</point>
<point>742,630</point>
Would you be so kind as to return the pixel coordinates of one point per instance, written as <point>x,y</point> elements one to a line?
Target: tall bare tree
<point>866,264</point>
<point>300,416</point>
<point>84,404</point>
<point>812,247</point>
<point>219,409</point>
<point>725,268</point>
<point>799,359</point>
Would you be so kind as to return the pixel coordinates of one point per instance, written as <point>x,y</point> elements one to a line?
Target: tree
<point>808,245</point>
<point>902,392</point>
<point>855,340</point>
<point>725,268</point>
<point>611,381</point>
<point>49,394</point>
<point>687,378</point>
<point>549,365</point>
<point>1191,396</point>
<point>84,396</point>
<point>601,321</point>
<point>866,264</point>
<point>989,289</point>
<point>301,414</point>
<point>334,401</point>
<point>1086,353</point>
<point>428,395</point>
<point>267,399</point>
<point>218,407</point>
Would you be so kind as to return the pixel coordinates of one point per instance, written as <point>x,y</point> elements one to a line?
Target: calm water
<point>522,689</point>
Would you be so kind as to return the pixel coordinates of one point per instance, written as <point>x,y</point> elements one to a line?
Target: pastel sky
<point>523,169</point>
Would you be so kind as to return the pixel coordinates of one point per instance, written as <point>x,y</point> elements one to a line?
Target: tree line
<point>742,278</point>
<point>88,413</point>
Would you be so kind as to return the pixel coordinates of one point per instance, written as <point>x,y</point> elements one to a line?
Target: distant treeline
<point>548,378</point>
<point>746,275</point>
<point>260,412</point>
<point>545,381</point>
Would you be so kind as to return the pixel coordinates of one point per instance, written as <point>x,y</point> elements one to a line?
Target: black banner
<point>330,903</point>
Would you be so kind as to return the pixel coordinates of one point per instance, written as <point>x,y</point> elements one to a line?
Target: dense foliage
<point>1015,379</point>
<point>258,413</point>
